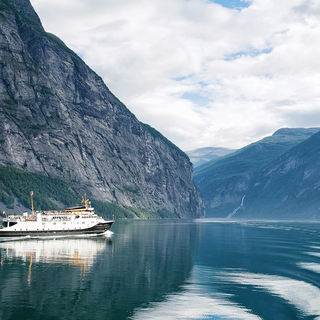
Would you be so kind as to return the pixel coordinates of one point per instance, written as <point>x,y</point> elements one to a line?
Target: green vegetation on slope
<point>16,185</point>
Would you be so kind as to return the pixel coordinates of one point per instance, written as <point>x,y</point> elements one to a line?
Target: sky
<point>204,73</point>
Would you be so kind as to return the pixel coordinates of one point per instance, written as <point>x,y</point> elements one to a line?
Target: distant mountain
<point>259,181</point>
<point>59,121</point>
<point>203,155</point>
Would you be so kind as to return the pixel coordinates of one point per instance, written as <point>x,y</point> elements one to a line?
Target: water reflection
<point>95,278</point>
<point>304,296</point>
<point>166,270</point>
<point>267,267</point>
<point>73,251</point>
<point>79,252</point>
<point>248,270</point>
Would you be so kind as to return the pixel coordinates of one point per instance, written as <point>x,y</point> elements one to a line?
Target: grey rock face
<point>58,117</point>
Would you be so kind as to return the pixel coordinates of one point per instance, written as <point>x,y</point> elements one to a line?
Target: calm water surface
<point>171,269</point>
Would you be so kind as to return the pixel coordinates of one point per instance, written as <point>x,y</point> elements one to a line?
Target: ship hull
<point>99,228</point>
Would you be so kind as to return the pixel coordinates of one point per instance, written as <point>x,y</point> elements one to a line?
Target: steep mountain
<point>59,120</point>
<point>288,186</point>
<point>203,155</point>
<point>226,183</point>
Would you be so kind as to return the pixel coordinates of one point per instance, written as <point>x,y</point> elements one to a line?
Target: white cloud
<point>200,73</point>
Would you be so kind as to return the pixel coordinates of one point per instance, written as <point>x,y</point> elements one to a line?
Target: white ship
<point>79,220</point>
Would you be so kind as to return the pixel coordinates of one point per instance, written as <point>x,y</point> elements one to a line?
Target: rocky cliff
<point>58,118</point>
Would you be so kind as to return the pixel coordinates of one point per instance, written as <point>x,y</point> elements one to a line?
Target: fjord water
<point>168,269</point>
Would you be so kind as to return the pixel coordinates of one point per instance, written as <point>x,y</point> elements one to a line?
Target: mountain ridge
<point>203,155</point>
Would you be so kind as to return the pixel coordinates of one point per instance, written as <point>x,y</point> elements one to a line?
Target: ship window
<point>12,223</point>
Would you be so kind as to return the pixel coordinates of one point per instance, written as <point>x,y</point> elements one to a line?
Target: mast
<point>85,201</point>
<point>31,194</point>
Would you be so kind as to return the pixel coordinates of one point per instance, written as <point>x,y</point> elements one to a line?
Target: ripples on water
<point>203,269</point>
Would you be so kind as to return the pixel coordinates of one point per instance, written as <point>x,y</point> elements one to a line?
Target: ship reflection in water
<point>79,252</point>
<point>95,278</point>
